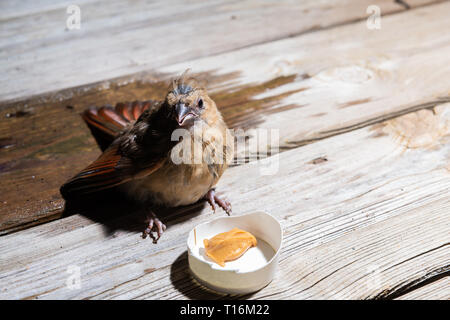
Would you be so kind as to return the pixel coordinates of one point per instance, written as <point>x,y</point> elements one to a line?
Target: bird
<point>166,153</point>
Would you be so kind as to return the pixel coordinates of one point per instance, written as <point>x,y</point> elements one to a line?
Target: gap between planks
<point>436,290</point>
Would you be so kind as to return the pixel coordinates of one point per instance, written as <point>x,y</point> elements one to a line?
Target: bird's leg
<point>214,199</point>
<point>154,226</point>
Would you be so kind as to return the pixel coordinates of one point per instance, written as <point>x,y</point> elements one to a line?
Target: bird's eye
<point>200,103</point>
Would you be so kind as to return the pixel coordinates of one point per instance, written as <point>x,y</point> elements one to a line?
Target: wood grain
<point>374,201</point>
<point>38,54</point>
<point>436,290</point>
<point>377,262</point>
<point>307,94</point>
<point>344,77</point>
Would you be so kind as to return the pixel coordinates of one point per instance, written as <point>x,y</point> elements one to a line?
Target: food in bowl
<point>229,246</point>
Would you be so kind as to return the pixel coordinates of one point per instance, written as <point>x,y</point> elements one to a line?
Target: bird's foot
<point>154,226</point>
<point>214,200</point>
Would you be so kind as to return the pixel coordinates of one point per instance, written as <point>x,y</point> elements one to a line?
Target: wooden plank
<point>436,290</point>
<point>307,94</point>
<point>377,262</point>
<point>11,9</point>
<point>374,200</point>
<point>39,54</point>
<point>339,79</point>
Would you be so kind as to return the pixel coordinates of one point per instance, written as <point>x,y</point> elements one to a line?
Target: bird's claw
<point>154,226</point>
<point>214,199</point>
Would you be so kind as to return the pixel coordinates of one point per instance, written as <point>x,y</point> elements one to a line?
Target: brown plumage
<point>142,151</point>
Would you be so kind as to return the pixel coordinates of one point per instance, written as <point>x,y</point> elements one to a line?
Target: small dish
<point>253,270</point>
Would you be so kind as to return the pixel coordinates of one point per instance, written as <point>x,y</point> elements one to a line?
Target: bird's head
<point>189,103</point>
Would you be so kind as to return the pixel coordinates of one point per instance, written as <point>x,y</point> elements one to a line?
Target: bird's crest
<point>184,85</point>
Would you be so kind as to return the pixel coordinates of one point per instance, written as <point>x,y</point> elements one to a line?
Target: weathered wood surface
<point>436,290</point>
<point>373,208</point>
<point>39,54</point>
<point>308,93</point>
<point>366,213</point>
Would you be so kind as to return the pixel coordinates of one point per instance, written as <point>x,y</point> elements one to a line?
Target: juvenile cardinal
<point>161,153</point>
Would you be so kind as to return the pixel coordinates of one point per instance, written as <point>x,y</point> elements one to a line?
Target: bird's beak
<point>183,113</point>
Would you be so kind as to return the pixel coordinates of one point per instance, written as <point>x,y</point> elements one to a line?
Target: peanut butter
<point>228,246</point>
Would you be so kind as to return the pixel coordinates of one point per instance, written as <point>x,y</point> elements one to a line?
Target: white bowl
<point>253,270</point>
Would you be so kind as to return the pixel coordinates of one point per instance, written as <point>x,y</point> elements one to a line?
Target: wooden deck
<point>363,186</point>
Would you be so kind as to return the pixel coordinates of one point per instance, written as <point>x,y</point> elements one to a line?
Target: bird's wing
<point>109,170</point>
<point>137,152</point>
<point>106,122</point>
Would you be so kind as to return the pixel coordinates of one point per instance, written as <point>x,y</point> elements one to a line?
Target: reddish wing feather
<point>106,122</point>
<point>109,170</point>
<point>101,174</point>
<point>112,168</point>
